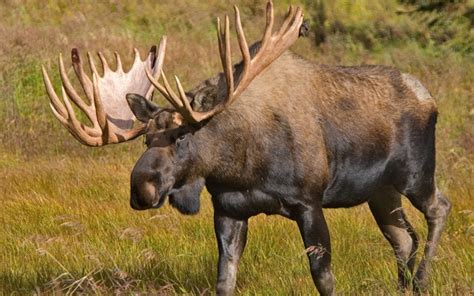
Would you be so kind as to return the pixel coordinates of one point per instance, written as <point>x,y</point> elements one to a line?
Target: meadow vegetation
<point>66,225</point>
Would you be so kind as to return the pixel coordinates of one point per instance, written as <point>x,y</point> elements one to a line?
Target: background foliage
<point>66,223</point>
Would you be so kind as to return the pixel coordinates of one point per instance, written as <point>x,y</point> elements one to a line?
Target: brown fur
<point>364,103</point>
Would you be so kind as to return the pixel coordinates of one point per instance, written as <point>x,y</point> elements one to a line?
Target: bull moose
<point>273,134</point>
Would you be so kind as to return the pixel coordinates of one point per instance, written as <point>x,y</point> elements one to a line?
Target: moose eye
<point>181,138</point>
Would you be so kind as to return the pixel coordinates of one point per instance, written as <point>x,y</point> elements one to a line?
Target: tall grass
<point>66,223</point>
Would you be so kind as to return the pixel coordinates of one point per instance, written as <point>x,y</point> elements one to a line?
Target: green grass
<point>66,223</point>
<point>63,232</point>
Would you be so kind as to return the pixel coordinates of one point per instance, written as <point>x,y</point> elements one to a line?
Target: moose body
<point>303,137</point>
<point>300,137</point>
<point>303,132</point>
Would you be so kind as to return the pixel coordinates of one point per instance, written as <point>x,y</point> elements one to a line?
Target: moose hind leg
<point>435,208</point>
<point>387,210</point>
<point>315,233</point>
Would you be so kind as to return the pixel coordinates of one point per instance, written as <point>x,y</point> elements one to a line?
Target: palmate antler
<point>107,108</point>
<point>272,46</point>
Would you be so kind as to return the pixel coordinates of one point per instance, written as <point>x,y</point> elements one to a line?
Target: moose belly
<point>354,184</point>
<point>345,199</point>
<point>244,204</point>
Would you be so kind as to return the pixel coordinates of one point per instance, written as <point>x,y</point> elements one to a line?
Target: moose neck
<point>223,154</point>
<point>235,147</point>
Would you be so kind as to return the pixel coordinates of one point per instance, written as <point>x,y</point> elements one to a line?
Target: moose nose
<point>136,205</point>
<point>143,191</point>
<point>137,202</point>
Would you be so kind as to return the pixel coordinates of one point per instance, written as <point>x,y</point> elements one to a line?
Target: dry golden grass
<point>66,223</point>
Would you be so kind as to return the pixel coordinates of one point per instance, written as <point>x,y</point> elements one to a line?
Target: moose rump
<point>377,133</point>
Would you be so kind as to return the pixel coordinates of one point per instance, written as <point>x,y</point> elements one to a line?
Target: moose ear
<point>143,109</point>
<point>205,98</point>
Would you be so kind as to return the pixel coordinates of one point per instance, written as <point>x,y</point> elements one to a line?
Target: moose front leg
<point>315,235</point>
<point>231,238</point>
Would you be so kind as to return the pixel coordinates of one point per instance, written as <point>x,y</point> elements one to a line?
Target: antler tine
<point>182,94</point>
<point>86,83</point>
<point>92,64</point>
<point>227,66</point>
<point>118,62</point>
<point>71,92</point>
<point>137,55</point>
<point>59,116</point>
<point>53,97</point>
<point>289,17</point>
<point>99,108</point>
<point>161,55</point>
<point>105,65</point>
<point>172,97</point>
<point>157,59</point>
<point>244,48</point>
<point>186,111</point>
<point>220,40</point>
<point>162,89</point>
<point>269,23</point>
<point>298,20</point>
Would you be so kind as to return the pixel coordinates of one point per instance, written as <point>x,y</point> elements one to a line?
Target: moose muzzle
<point>150,181</point>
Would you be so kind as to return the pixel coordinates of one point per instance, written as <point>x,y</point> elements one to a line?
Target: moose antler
<point>272,46</point>
<point>107,109</point>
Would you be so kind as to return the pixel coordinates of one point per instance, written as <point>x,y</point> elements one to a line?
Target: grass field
<point>66,222</point>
